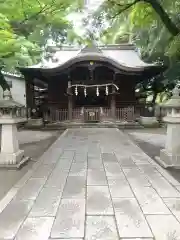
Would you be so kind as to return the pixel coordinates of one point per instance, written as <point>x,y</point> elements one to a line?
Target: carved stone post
<point>10,155</point>
<point>70,105</point>
<point>170,155</point>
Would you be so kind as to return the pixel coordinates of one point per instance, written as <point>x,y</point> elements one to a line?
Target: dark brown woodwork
<point>70,103</point>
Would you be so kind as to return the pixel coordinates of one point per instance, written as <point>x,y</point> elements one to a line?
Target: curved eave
<point>94,57</point>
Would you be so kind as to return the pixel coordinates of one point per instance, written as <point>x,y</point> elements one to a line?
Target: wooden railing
<point>128,114</point>
<point>80,114</point>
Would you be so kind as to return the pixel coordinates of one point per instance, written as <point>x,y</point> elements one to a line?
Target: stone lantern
<point>10,155</point>
<point>170,156</point>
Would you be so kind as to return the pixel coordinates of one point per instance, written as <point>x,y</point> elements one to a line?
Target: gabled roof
<point>122,56</point>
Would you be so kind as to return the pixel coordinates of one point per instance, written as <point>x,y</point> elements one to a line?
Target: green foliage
<point>142,15</point>
<point>26,26</point>
<point>174,48</point>
<point>141,23</point>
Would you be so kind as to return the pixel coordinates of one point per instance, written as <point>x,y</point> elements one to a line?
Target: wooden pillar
<point>70,102</point>
<point>113,104</point>
<point>113,99</point>
<point>30,104</point>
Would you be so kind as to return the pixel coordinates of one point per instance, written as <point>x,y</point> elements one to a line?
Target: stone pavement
<point>93,184</point>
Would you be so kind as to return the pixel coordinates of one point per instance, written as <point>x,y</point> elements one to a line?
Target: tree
<point>26,26</point>
<point>154,27</point>
<point>143,9</point>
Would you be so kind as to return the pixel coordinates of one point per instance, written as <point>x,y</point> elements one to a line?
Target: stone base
<point>168,159</point>
<point>149,122</point>
<point>35,122</point>
<point>13,160</point>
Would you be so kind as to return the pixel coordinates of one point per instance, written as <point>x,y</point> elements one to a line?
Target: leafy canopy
<point>26,26</point>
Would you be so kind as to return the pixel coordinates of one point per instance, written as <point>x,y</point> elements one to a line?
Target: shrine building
<point>93,83</point>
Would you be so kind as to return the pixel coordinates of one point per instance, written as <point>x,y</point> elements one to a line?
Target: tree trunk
<point>170,25</point>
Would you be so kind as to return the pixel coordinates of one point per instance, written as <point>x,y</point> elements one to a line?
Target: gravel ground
<point>34,143</point>
<point>151,141</point>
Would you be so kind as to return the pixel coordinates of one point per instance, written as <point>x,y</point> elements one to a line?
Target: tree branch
<point>155,4</point>
<point>123,7</point>
<point>42,10</point>
<point>169,24</point>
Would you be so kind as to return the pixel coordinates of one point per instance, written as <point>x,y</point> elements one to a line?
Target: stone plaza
<point>93,184</point>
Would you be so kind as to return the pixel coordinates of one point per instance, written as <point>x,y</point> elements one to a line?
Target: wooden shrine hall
<point>94,83</point>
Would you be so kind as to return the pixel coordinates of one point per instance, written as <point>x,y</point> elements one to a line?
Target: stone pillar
<point>170,155</point>
<point>70,102</point>
<point>113,104</point>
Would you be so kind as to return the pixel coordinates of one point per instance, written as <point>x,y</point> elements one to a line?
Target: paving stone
<point>164,227</point>
<point>104,180</point>
<point>80,158</point>
<point>99,201</point>
<point>35,229</point>
<point>96,177</point>
<point>57,180</point>
<point>168,176</point>
<point>150,201</point>
<point>70,219</point>
<point>126,162</point>
<point>78,169</point>
<point>52,156</point>
<point>140,158</point>
<point>47,203</point>
<point>135,177</point>
<point>119,187</point>
<point>112,169</point>
<point>164,188</point>
<point>75,187</point>
<point>130,221</point>
<point>80,164</point>
<point>161,185</point>
<point>109,157</point>
<point>95,164</point>
<point>12,217</point>
<point>31,189</point>
<point>43,171</point>
<point>101,228</point>
<point>67,154</point>
<point>150,171</point>
<point>174,205</point>
<point>64,165</point>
